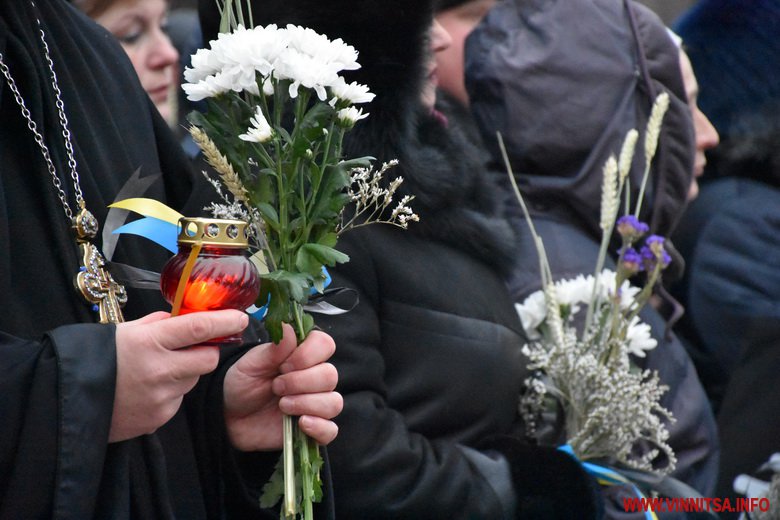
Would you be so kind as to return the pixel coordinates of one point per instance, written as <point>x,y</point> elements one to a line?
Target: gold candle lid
<point>213,231</point>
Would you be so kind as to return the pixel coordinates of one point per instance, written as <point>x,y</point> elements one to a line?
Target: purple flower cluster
<point>632,261</point>
<point>653,252</point>
<point>630,228</point>
<point>647,258</point>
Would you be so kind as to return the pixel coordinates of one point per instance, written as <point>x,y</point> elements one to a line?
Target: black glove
<point>549,483</point>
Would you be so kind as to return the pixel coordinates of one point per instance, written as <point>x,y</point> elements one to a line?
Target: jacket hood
<point>564,81</point>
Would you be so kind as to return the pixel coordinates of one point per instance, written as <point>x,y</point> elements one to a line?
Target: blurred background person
<point>563,82</point>
<point>735,52</point>
<point>731,232</point>
<point>459,18</point>
<point>705,134</point>
<point>141,27</point>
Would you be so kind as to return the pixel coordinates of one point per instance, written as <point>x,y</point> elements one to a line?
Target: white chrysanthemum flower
<point>305,70</point>
<point>203,63</point>
<point>234,61</point>
<point>574,291</point>
<point>335,54</point>
<point>263,48</point>
<point>353,93</point>
<point>260,131</point>
<point>268,87</point>
<point>532,312</point>
<point>350,115</point>
<point>202,89</point>
<point>639,338</point>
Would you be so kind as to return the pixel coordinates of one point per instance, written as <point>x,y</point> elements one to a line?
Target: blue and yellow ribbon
<point>608,477</point>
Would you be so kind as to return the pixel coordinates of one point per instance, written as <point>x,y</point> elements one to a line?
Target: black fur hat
<point>391,38</point>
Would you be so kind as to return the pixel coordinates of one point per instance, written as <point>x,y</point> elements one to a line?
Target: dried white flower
<point>609,195</point>
<point>371,200</point>
<point>660,106</point>
<point>627,154</point>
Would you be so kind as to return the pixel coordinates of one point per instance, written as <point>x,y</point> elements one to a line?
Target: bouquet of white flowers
<point>583,367</point>
<point>277,109</point>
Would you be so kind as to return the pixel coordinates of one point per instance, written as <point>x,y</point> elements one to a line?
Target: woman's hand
<point>271,380</point>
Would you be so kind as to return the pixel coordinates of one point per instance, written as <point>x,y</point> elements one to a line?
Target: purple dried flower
<point>630,227</point>
<point>655,242</point>
<point>654,252</point>
<point>632,261</point>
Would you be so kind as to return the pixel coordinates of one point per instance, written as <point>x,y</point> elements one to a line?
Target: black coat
<point>57,366</point>
<point>733,284</point>
<point>732,292</point>
<point>430,363</point>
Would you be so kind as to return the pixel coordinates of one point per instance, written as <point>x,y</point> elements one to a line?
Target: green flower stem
<point>326,159</point>
<point>289,468</point>
<point>306,477</point>
<point>595,301</point>
<point>646,292</point>
<point>291,441</point>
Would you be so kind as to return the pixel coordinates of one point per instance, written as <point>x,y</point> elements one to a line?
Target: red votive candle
<point>220,274</point>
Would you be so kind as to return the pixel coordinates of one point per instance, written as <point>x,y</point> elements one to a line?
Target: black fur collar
<point>456,198</point>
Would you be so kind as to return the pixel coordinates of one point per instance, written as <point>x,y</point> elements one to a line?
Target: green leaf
<point>328,239</point>
<point>318,117</point>
<point>295,224</point>
<point>273,490</point>
<point>311,257</point>
<point>358,162</point>
<point>308,323</point>
<point>269,214</point>
<point>276,315</point>
<point>293,286</point>
<point>330,198</point>
<point>197,118</point>
<point>315,458</point>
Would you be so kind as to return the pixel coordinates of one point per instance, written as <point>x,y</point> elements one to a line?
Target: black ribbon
<point>135,277</point>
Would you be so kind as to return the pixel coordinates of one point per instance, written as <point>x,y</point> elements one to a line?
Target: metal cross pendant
<point>93,279</point>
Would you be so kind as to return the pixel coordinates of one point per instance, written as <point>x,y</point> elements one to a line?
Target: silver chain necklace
<point>93,281</point>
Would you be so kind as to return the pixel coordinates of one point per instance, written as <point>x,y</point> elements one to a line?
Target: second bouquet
<point>277,110</point>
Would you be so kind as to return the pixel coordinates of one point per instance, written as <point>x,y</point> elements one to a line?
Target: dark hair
<point>443,5</point>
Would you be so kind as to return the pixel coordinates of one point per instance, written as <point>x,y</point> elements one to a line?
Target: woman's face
<point>440,40</point>
<point>459,22</point>
<point>706,135</point>
<point>139,25</point>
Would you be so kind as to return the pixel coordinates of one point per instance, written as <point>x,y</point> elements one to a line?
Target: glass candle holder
<point>213,267</point>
